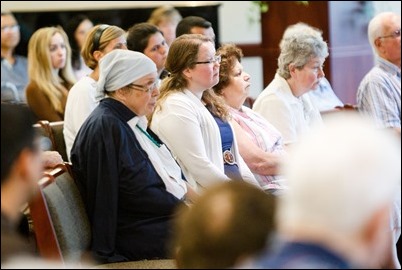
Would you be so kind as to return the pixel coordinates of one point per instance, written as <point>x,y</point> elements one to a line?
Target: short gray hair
<point>300,43</point>
<point>299,27</point>
<point>377,26</point>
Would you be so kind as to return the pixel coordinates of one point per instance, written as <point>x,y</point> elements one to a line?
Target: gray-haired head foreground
<point>340,176</point>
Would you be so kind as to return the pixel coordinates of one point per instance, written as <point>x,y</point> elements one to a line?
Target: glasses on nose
<point>143,88</point>
<point>216,59</point>
<point>395,34</point>
<point>12,28</point>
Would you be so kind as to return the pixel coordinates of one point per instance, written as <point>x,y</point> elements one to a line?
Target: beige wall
<point>79,5</point>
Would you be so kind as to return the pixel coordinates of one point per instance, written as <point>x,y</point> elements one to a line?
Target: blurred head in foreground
<point>342,183</point>
<point>228,223</point>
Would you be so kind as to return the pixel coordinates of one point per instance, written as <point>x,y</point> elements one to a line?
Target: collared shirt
<point>291,115</point>
<point>17,74</point>
<point>379,94</point>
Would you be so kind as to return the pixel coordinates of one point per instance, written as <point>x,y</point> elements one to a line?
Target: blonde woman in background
<point>50,73</point>
<point>166,19</point>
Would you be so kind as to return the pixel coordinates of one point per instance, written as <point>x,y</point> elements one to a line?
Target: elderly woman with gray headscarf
<point>129,181</point>
<point>284,102</point>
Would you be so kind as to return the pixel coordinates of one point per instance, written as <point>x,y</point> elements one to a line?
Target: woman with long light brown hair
<point>192,120</point>
<point>50,73</point>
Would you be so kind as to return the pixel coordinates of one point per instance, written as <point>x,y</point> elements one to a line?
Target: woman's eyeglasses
<point>216,59</point>
<point>143,88</point>
<point>11,28</point>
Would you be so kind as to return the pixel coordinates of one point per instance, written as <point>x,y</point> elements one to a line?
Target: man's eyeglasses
<point>395,34</point>
<point>143,88</point>
<point>12,28</point>
<point>216,59</point>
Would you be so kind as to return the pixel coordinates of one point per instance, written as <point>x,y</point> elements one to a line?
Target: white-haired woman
<point>300,68</point>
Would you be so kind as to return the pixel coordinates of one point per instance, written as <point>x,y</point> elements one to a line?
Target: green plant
<point>263,7</point>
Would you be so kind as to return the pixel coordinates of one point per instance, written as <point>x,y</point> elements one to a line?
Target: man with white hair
<point>379,93</point>
<point>342,181</point>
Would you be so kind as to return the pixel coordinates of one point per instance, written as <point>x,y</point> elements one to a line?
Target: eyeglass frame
<point>395,34</point>
<point>11,28</point>
<point>143,88</point>
<point>217,59</point>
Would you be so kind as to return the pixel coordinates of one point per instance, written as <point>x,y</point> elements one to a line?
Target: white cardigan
<point>192,135</point>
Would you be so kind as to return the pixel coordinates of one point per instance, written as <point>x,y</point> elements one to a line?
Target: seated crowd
<point>170,164</point>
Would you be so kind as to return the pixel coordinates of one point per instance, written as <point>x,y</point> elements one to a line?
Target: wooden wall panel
<point>344,27</point>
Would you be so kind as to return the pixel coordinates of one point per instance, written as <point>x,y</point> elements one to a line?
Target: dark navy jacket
<point>126,200</point>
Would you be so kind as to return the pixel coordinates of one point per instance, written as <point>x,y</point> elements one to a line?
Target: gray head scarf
<point>119,68</point>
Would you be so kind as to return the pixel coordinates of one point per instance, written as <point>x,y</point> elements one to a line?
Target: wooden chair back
<point>60,223</point>
<point>54,132</point>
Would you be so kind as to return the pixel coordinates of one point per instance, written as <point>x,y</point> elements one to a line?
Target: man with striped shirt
<point>379,93</point>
